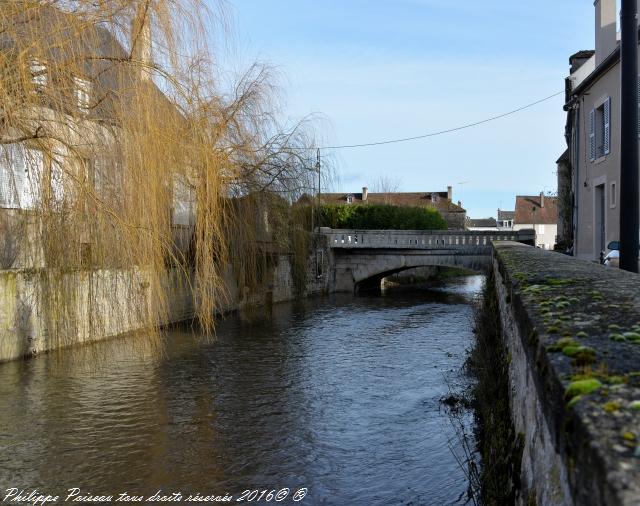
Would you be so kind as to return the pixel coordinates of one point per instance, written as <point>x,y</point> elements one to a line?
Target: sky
<point>384,69</point>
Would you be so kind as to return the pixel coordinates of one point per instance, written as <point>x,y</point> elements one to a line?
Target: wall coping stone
<point>554,296</point>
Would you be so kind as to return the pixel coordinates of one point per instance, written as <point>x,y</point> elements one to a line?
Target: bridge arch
<point>373,282</point>
<point>364,269</point>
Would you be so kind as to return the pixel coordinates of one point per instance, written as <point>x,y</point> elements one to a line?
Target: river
<point>337,396</point>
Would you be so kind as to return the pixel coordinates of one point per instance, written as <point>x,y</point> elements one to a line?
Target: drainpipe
<point>629,181</point>
<point>576,176</point>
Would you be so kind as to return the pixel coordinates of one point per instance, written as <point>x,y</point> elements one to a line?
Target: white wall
<point>545,234</point>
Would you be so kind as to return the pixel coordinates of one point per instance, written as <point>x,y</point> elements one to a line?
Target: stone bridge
<point>361,258</point>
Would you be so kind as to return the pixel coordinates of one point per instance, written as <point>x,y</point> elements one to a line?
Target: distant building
<point>505,219</point>
<point>541,214</point>
<point>454,214</point>
<point>482,224</point>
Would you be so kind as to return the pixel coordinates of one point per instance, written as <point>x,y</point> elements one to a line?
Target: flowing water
<point>339,396</point>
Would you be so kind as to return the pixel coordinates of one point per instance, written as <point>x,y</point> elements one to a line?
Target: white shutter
<point>8,190</point>
<point>33,166</point>
<point>17,169</point>
<point>181,200</point>
<point>592,134</point>
<point>57,181</point>
<point>607,126</point>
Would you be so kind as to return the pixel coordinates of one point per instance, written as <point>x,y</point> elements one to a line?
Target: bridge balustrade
<point>420,239</point>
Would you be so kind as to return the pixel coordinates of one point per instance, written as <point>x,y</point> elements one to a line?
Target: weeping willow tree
<point>121,157</point>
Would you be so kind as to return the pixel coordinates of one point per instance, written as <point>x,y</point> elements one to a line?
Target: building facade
<point>540,213</point>
<point>589,172</point>
<point>505,219</point>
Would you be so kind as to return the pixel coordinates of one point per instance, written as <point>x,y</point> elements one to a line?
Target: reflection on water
<point>339,395</point>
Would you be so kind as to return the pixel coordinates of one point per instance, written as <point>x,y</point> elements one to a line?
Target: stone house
<point>540,213</point>
<point>482,224</point>
<point>76,112</point>
<point>454,214</point>
<point>589,172</point>
<point>505,219</point>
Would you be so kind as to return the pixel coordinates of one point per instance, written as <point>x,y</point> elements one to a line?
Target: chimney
<point>141,41</point>
<point>365,193</point>
<point>541,199</point>
<point>605,29</point>
<point>450,191</point>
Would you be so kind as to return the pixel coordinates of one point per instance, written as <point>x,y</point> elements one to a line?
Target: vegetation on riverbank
<point>499,446</point>
<point>380,217</point>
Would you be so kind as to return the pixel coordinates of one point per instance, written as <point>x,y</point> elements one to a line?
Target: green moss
<point>581,354</point>
<point>635,405</point>
<point>582,334</point>
<point>617,337</point>
<point>559,281</point>
<point>561,344</point>
<point>582,387</point>
<point>613,326</point>
<point>629,436</point>
<point>612,406</point>
<point>553,330</point>
<point>634,337</point>
<point>574,401</point>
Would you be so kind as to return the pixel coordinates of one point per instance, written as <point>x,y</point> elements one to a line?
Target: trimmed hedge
<point>381,217</point>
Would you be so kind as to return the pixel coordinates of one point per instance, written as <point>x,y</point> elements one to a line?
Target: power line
<point>450,130</point>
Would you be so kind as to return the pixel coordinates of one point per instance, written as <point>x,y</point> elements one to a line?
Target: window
<point>106,175</point>
<point>20,176</point>
<point>83,94</point>
<point>613,195</point>
<point>349,199</point>
<point>600,130</point>
<point>184,201</point>
<point>39,74</point>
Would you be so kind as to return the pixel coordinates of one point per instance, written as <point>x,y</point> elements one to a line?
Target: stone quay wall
<point>101,304</point>
<point>571,329</point>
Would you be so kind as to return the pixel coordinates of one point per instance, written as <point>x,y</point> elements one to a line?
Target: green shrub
<point>380,217</point>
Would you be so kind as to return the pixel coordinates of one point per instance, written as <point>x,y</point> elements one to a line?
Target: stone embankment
<point>572,334</point>
<point>107,303</point>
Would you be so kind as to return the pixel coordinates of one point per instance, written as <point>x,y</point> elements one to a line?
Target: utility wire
<point>441,132</point>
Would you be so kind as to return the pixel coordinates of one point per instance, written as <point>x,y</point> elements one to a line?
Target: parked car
<point>612,259</point>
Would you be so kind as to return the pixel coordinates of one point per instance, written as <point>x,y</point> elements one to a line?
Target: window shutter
<point>7,179</point>
<point>592,134</point>
<point>33,165</point>
<point>16,173</point>
<point>607,126</point>
<point>57,181</point>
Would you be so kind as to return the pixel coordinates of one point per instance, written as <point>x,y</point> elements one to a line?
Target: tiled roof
<point>585,53</point>
<point>505,215</point>
<point>529,211</point>
<point>438,200</point>
<point>482,223</point>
